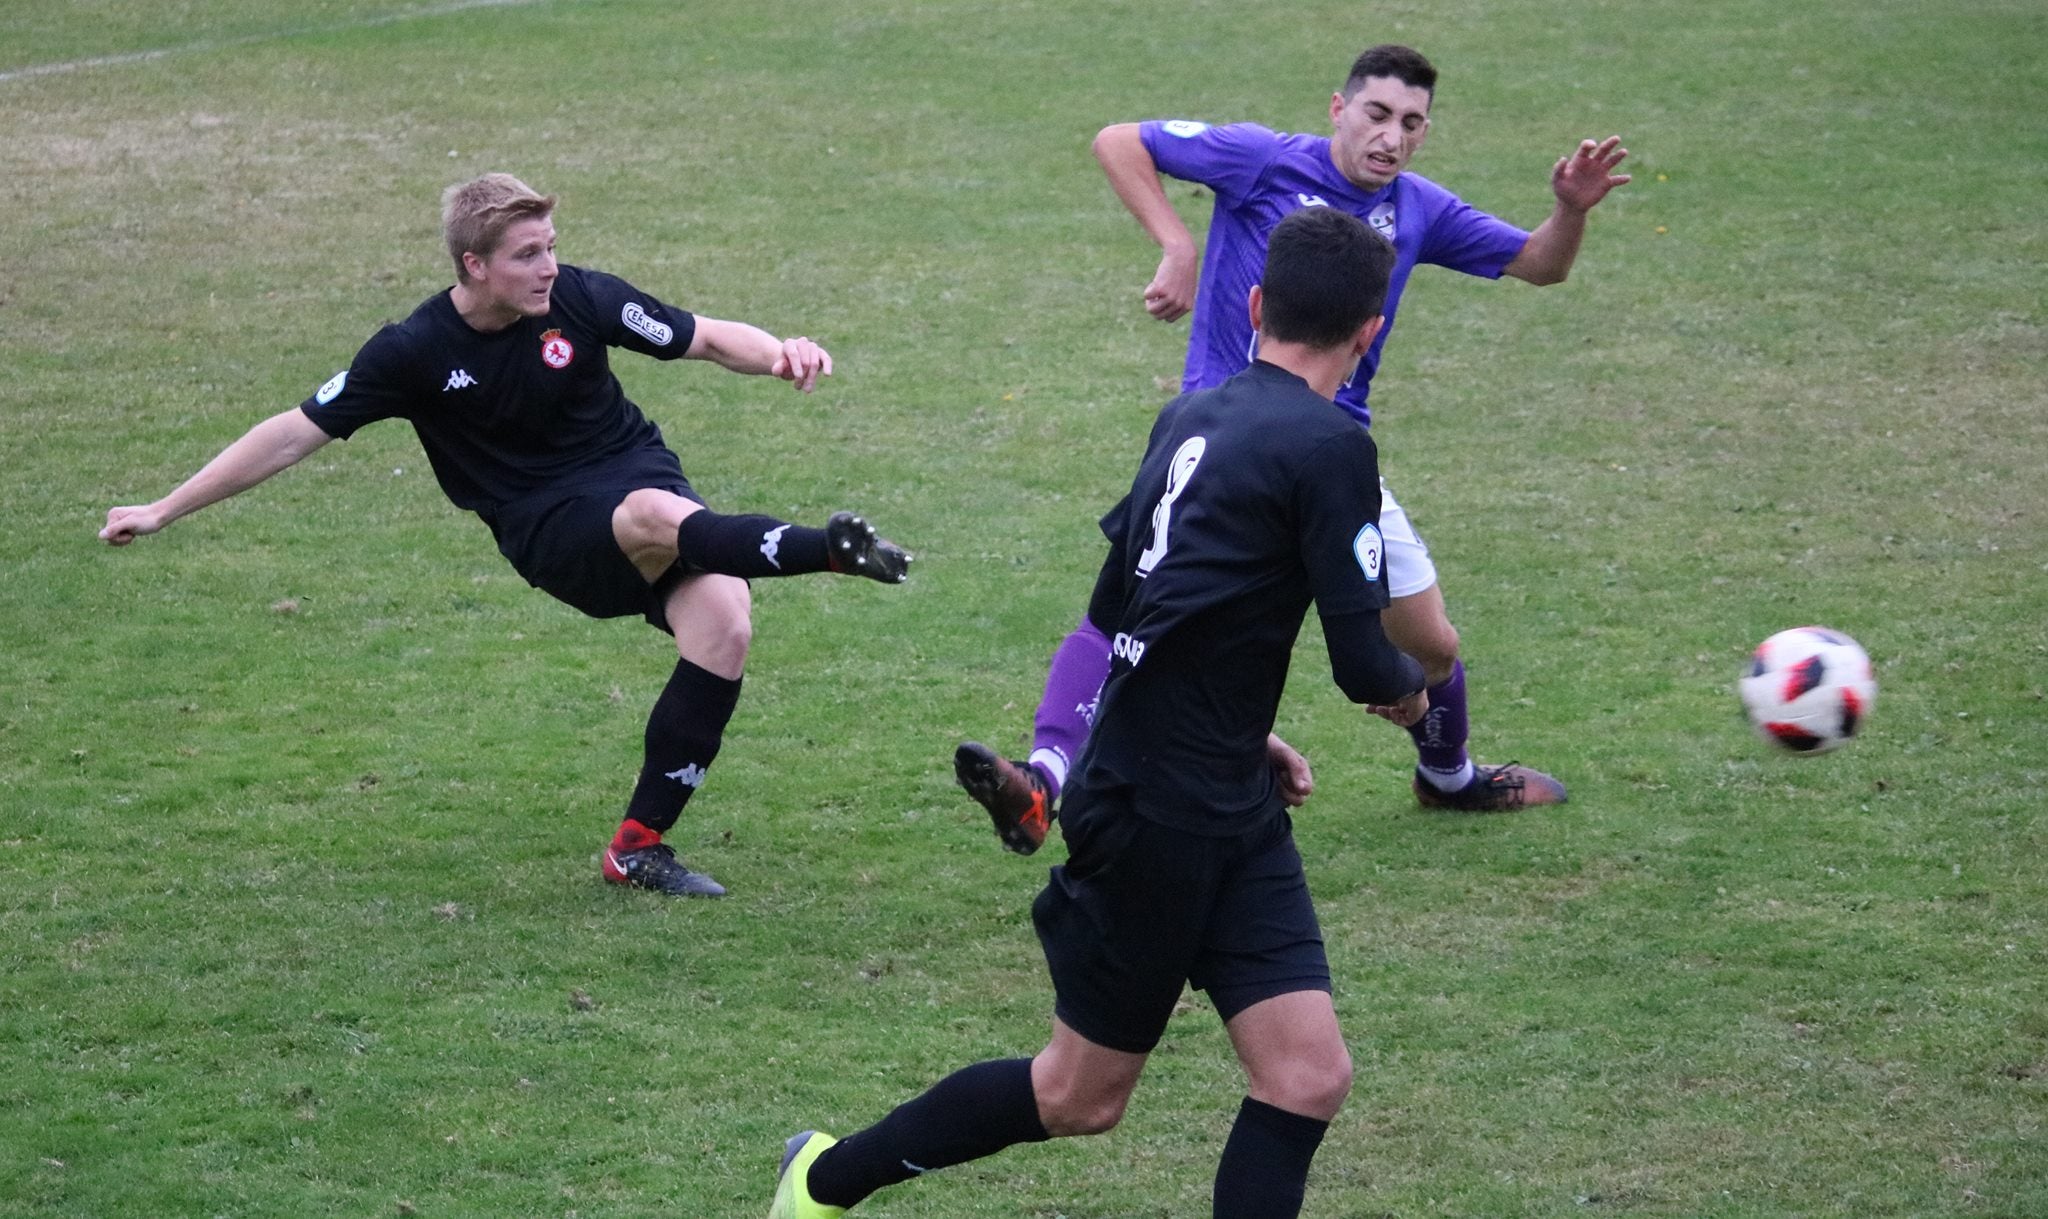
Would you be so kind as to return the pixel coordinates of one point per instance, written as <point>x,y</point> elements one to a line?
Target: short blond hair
<point>476,213</point>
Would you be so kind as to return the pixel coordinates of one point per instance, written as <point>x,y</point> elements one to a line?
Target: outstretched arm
<point>752,350</point>
<point>277,443</point>
<point>1135,179</point>
<point>1580,181</point>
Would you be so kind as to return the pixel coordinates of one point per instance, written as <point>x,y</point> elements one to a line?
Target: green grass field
<point>300,802</point>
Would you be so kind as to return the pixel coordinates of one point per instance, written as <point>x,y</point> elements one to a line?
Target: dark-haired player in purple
<point>506,378</point>
<point>1379,120</point>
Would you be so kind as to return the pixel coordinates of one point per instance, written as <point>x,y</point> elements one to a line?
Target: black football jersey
<point>533,409</point>
<point>1255,498</point>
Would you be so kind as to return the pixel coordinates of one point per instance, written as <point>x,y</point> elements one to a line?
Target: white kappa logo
<point>771,546</point>
<point>459,379</point>
<point>1184,128</point>
<point>1311,200</point>
<point>691,775</point>
<point>657,333</point>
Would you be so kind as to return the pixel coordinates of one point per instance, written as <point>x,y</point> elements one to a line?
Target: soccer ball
<point>1808,689</point>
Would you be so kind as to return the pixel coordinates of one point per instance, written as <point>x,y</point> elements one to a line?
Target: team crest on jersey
<point>636,319</point>
<point>1381,218</point>
<point>1184,128</point>
<point>1370,551</point>
<point>556,351</point>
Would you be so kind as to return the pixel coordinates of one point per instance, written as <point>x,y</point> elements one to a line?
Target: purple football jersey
<point>1259,176</point>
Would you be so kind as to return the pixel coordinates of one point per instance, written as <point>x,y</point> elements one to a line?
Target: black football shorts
<point>565,548</point>
<point>1140,910</point>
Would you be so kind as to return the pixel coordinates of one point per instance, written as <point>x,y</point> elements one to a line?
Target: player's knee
<point>712,619</point>
<point>644,526</point>
<point>1080,1114</point>
<point>1440,654</point>
<point>730,626</point>
<point>1081,1104</point>
<point>1430,639</point>
<point>651,508</point>
<point>733,638</point>
<point>1316,1086</point>
<point>1332,1087</point>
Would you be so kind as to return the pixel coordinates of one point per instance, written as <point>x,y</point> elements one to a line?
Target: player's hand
<point>1405,712</point>
<point>125,524</point>
<point>1290,771</point>
<point>801,362</point>
<point>1172,291</point>
<point>1584,178</point>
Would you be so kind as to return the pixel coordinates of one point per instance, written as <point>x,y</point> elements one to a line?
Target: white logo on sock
<point>771,545</point>
<point>913,1168</point>
<point>691,775</point>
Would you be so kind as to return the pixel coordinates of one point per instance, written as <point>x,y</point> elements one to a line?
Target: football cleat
<point>1014,793</point>
<point>1493,789</point>
<point>792,1189</point>
<point>656,867</point>
<point>853,548</point>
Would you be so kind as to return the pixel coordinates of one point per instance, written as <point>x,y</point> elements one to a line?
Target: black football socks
<point>974,1112</point>
<point>751,547</point>
<point>1264,1170</point>
<point>684,732</point>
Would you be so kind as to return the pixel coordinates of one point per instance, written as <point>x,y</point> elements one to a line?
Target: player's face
<point>1378,130</point>
<point>519,276</point>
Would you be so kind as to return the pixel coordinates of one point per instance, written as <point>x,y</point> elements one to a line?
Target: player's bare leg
<point>1082,1087</point>
<point>1299,1074</point>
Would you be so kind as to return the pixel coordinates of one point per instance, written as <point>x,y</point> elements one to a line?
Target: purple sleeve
<point>1229,160</point>
<point>1466,239</point>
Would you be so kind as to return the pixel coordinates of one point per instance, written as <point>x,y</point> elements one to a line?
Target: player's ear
<point>473,264</point>
<point>1362,341</point>
<point>1336,107</point>
<point>1257,304</point>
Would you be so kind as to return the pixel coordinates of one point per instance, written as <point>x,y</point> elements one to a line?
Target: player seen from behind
<point>1254,499</point>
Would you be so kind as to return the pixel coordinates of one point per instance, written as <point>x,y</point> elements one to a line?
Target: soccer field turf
<point>300,801</point>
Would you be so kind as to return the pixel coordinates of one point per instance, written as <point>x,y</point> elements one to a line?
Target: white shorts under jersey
<point>1409,569</point>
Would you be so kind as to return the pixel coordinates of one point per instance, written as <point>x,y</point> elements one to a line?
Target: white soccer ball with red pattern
<point>1808,689</point>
